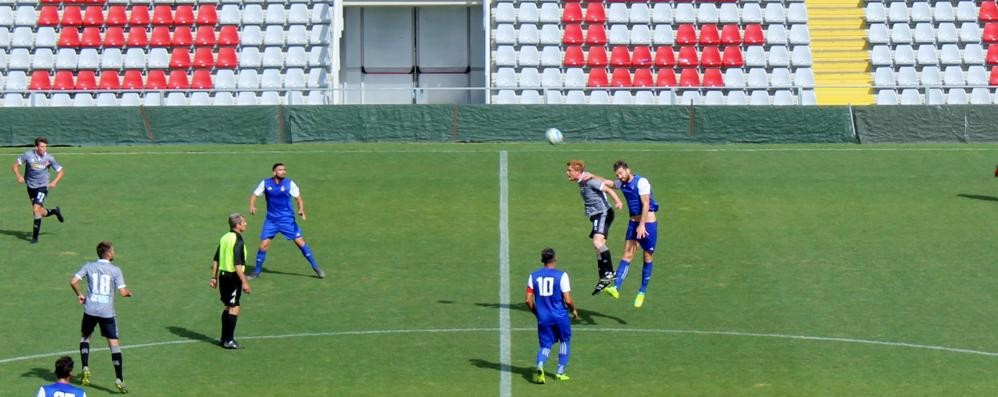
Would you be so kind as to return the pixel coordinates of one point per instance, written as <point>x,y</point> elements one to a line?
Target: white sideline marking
<point>505,377</point>
<point>576,329</point>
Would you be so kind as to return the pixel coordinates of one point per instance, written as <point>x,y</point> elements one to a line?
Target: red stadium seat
<point>666,78</point>
<point>69,38</point>
<point>182,36</point>
<point>572,13</point>
<point>137,37</point>
<point>689,78</point>
<point>993,80</point>
<point>71,16</point>
<point>180,59</point>
<point>710,57</point>
<point>597,56</point>
<point>596,35</point>
<point>571,36</point>
<point>228,36</point>
<point>132,80</point>
<point>687,56</point>
<point>48,16</point>
<point>709,35</point>
<point>205,36</point>
<point>155,80</point>
<point>753,35</point>
<point>731,35</point>
<point>207,14</point>
<point>989,11</point>
<point>204,58</point>
<point>114,37</point>
<point>992,57</point>
<point>665,56</point>
<point>94,16</point>
<point>990,33</point>
<point>63,80</point>
<point>86,80</point>
<point>40,80</point>
<point>621,78</point>
<point>160,37</point>
<point>184,15</point>
<point>686,34</point>
<point>712,78</point>
<point>109,80</point>
<point>641,56</point>
<point>116,16</point>
<point>574,56</point>
<point>595,13</point>
<point>91,37</point>
<point>227,58</point>
<point>597,78</point>
<point>139,16</point>
<point>162,15</point>
<point>202,80</point>
<point>178,80</point>
<point>732,57</point>
<point>643,78</point>
<point>619,56</point>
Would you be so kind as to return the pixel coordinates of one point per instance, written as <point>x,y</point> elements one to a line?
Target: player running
<point>280,217</point>
<point>594,193</point>
<point>549,298</point>
<point>36,176</point>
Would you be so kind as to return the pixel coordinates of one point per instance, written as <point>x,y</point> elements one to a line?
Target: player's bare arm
<point>75,283</point>
<point>613,194</point>
<point>242,277</point>
<point>301,206</point>
<point>125,292</point>
<point>58,177</point>
<point>530,301</point>
<point>567,297</point>
<point>214,275</point>
<point>252,204</point>
<point>17,172</point>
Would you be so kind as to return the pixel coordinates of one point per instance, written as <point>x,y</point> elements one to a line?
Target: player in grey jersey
<point>36,176</point>
<point>601,217</point>
<point>103,278</point>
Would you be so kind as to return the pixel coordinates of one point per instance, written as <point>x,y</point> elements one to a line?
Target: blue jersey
<point>61,390</point>
<point>632,194</point>
<point>278,195</point>
<point>548,286</point>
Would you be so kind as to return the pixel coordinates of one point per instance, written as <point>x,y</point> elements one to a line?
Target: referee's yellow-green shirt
<point>227,252</point>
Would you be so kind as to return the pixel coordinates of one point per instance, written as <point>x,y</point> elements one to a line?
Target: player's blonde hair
<point>576,165</point>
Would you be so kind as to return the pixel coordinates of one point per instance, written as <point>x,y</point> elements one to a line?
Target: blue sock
<point>562,357</point>
<point>622,272</point>
<point>307,252</point>
<point>646,275</point>
<point>261,256</point>
<point>542,356</point>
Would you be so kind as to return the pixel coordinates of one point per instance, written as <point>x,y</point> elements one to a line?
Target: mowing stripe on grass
<point>579,329</point>
<point>505,376</point>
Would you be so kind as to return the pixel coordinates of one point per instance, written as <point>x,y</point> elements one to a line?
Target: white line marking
<point>576,329</point>
<point>505,377</point>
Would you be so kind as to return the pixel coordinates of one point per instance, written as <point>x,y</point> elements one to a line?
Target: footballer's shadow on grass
<point>978,197</point>
<point>19,234</point>
<point>266,271</point>
<point>192,335</point>
<point>526,372</point>
<point>586,317</point>
<point>47,376</point>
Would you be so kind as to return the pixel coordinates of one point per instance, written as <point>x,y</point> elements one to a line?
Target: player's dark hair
<point>41,139</point>
<point>103,248</point>
<point>547,255</point>
<point>620,164</point>
<point>274,168</point>
<point>235,219</point>
<point>63,367</point>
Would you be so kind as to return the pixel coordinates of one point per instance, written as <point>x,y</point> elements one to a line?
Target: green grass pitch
<point>799,270</point>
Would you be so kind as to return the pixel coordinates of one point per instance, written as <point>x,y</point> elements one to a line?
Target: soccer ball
<point>554,136</point>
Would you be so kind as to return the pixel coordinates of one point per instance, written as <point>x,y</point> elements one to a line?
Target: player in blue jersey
<point>61,387</point>
<point>549,298</point>
<point>279,190</point>
<point>642,229</point>
<point>37,163</point>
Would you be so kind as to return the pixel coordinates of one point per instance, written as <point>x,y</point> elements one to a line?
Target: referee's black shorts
<point>230,288</point>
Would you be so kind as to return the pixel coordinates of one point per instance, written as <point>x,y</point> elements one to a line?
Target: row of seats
<point>159,58</point>
<point>641,13</point>
<point>169,99</point>
<point>922,11</point>
<point>147,2</point>
<point>162,36</point>
<point>732,56</point>
<point>139,15</point>
<point>686,97</point>
<point>927,54</point>
<point>924,32</point>
<point>575,34</point>
<point>936,96</point>
<point>664,77</point>
<point>246,79</point>
<point>933,76</point>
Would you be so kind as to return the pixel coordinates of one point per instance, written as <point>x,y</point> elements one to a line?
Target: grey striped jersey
<point>103,281</point>
<point>36,173</point>
<point>593,196</point>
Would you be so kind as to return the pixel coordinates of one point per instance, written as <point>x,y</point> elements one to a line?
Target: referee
<point>228,275</point>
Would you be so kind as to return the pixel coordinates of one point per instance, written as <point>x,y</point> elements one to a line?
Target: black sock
<point>49,212</point>
<point>116,360</point>
<point>225,326</point>
<point>232,326</point>
<point>36,229</point>
<point>85,353</point>
<point>605,263</point>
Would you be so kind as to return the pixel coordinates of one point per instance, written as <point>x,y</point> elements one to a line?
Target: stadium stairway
<point>838,42</point>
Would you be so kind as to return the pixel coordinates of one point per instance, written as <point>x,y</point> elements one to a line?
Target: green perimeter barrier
<point>417,123</point>
<point>927,124</point>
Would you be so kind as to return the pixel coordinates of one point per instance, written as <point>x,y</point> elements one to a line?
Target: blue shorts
<point>548,334</point>
<point>647,243</point>
<point>288,228</point>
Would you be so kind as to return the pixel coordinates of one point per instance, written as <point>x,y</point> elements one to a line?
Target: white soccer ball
<point>554,136</point>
